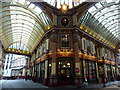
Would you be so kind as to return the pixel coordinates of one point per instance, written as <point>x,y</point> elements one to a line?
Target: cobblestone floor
<point>27,85</point>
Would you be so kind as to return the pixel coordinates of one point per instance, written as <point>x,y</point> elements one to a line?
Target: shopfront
<point>65,71</point>
<point>113,72</point>
<point>109,72</point>
<point>42,71</point>
<point>90,71</point>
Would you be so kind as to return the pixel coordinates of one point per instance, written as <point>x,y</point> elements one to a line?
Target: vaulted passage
<point>59,43</point>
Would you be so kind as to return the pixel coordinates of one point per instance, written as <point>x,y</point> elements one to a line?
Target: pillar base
<point>34,79</point>
<point>78,81</point>
<point>45,81</point>
<point>98,80</point>
<point>38,80</point>
<point>53,81</point>
<point>23,77</point>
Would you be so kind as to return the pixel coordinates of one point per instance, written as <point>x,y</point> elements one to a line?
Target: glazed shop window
<point>79,42</point>
<point>65,40</point>
<point>84,46</point>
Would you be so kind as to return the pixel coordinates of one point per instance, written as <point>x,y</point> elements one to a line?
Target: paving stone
<point>11,84</point>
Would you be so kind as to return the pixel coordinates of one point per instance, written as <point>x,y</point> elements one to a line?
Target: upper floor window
<point>84,45</point>
<point>65,40</point>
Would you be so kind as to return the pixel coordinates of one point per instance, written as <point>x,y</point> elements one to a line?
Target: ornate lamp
<point>64,8</point>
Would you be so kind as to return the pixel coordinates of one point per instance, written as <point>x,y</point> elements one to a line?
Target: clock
<point>64,21</point>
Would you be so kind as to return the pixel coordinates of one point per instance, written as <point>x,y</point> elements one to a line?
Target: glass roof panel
<point>106,13</point>
<point>98,5</point>
<point>23,22</point>
<point>19,46</point>
<point>103,18</point>
<point>71,3</point>
<point>31,6</point>
<point>37,9</point>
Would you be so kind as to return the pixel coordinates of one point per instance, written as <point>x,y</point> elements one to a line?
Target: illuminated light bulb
<point>9,49</point>
<point>49,65</point>
<point>64,8</point>
<point>48,27</point>
<point>68,64</point>
<point>63,65</point>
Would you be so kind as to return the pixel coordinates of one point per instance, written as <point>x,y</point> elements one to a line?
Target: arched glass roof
<point>19,46</point>
<point>104,19</point>
<point>22,22</point>
<point>70,3</point>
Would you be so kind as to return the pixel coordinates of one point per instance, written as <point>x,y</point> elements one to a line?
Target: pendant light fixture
<point>64,7</point>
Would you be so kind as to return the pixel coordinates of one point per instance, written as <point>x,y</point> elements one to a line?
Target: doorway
<point>65,72</point>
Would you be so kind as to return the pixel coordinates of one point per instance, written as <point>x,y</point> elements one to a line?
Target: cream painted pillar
<point>53,69</point>
<point>46,73</point>
<point>1,70</point>
<point>97,73</point>
<point>77,65</point>
<point>84,69</point>
<point>28,71</point>
<point>116,70</point>
<point>105,71</point>
<point>33,73</point>
<point>23,74</point>
<point>46,68</point>
<point>39,68</point>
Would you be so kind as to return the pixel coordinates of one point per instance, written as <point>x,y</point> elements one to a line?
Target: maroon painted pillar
<point>53,77</point>
<point>77,78</point>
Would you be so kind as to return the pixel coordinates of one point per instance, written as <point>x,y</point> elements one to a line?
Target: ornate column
<point>112,74</point>
<point>23,73</point>
<point>105,70</point>
<point>53,77</point>
<point>34,72</point>
<point>46,73</point>
<point>97,73</point>
<point>116,70</point>
<point>77,78</point>
<point>84,71</point>
<point>96,62</point>
<point>39,68</point>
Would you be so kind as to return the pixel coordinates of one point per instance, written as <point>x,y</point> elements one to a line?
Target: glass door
<point>65,72</point>
<point>90,71</point>
<point>109,72</point>
<point>37,71</point>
